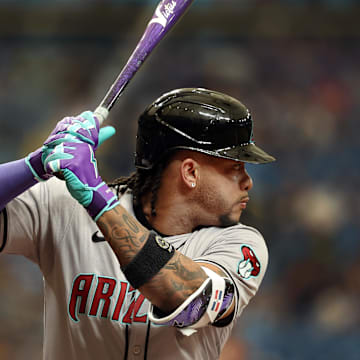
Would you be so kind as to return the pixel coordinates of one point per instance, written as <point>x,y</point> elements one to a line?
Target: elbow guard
<point>203,307</point>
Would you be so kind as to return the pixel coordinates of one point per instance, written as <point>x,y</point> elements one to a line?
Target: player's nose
<point>246,182</point>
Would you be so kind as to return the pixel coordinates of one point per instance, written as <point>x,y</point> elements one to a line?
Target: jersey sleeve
<point>241,252</point>
<point>21,222</point>
<point>26,225</point>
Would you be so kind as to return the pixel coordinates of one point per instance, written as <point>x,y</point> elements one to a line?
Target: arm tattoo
<point>124,234</point>
<point>131,223</point>
<point>176,265</point>
<point>178,279</point>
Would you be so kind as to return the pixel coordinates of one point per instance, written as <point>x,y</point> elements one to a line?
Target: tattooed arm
<point>175,282</point>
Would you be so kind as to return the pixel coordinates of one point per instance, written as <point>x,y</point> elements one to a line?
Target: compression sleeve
<point>15,178</point>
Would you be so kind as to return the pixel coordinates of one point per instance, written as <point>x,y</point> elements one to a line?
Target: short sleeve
<point>22,222</point>
<point>241,252</point>
<point>31,223</point>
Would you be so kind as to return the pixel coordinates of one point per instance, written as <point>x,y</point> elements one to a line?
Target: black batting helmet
<point>197,119</point>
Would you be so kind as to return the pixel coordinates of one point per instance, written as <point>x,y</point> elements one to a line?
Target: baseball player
<point>153,266</point>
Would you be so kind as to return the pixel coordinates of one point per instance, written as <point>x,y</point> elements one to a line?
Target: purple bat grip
<point>166,15</point>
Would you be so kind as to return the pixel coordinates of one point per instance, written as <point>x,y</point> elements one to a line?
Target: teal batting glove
<point>106,133</point>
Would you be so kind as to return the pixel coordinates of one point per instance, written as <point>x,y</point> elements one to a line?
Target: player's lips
<point>243,202</point>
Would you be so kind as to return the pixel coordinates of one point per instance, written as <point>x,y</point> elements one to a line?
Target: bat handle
<point>101,113</point>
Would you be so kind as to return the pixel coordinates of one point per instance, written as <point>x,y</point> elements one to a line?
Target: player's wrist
<point>34,162</point>
<point>84,183</point>
<point>103,199</point>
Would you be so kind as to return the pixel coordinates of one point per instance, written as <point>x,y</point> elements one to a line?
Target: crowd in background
<point>303,94</point>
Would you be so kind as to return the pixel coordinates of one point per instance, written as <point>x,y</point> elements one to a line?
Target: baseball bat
<point>166,14</point>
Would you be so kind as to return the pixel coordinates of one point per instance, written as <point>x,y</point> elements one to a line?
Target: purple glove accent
<point>77,163</point>
<point>78,157</point>
<point>63,125</point>
<point>103,199</point>
<point>15,178</point>
<point>85,127</point>
<point>34,159</point>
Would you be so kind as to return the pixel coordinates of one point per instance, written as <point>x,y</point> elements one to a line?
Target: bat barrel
<point>165,16</point>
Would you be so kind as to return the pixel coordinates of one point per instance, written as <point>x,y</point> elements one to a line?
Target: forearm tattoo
<point>123,233</point>
<point>178,279</point>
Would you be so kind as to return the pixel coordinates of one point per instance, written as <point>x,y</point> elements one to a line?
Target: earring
<point>193,185</point>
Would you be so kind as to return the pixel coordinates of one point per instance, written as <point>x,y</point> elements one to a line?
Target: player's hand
<point>82,128</point>
<point>76,162</point>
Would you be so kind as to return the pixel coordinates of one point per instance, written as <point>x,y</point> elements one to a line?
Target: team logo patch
<point>250,265</point>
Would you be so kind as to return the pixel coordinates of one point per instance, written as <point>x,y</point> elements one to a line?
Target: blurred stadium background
<point>295,63</point>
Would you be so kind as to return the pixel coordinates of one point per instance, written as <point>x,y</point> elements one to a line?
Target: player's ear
<point>190,172</point>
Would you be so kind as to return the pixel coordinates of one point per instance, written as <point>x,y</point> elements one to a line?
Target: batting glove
<point>82,128</point>
<point>77,163</point>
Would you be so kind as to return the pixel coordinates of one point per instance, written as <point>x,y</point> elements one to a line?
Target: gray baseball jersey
<point>91,311</point>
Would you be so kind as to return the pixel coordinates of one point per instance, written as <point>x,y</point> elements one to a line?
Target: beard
<point>225,220</point>
<point>213,203</point>
<point>231,217</point>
